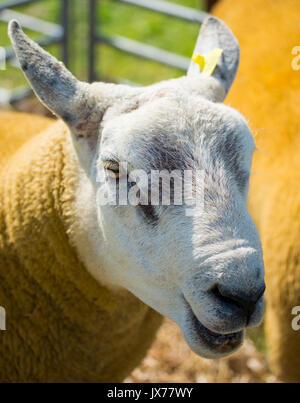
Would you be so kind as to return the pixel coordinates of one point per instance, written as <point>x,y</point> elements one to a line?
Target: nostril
<point>240,300</point>
<point>225,298</point>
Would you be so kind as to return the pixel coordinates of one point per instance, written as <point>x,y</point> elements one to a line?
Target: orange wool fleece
<point>267,92</point>
<point>61,324</point>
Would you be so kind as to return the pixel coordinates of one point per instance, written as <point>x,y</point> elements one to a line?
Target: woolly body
<point>267,92</point>
<point>58,316</point>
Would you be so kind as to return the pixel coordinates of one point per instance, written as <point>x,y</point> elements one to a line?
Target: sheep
<point>85,282</point>
<point>267,93</point>
<point>51,336</point>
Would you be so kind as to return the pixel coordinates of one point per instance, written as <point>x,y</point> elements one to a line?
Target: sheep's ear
<point>58,89</point>
<point>214,34</point>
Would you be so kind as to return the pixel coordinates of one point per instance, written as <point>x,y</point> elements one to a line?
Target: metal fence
<point>59,34</point>
<point>51,34</point>
<point>137,48</point>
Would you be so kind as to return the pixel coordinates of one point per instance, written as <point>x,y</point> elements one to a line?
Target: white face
<point>204,271</point>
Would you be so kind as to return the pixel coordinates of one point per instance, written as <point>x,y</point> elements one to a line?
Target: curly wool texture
<point>61,324</point>
<point>267,92</point>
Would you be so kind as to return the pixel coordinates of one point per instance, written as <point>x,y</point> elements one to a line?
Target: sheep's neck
<point>60,322</point>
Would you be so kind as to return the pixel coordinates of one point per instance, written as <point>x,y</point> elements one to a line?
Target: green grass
<point>257,336</point>
<point>113,18</point>
<point>148,27</point>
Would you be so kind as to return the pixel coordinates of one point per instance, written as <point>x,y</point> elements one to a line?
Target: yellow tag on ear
<point>208,62</point>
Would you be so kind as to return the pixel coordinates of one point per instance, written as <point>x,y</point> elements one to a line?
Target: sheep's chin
<point>206,343</point>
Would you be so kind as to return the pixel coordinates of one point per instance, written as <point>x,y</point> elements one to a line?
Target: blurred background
<point>137,42</point>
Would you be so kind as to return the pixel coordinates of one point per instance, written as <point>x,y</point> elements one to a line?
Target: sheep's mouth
<point>218,342</point>
<point>208,343</point>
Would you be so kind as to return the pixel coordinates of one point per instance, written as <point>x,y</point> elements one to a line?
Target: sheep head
<point>201,266</point>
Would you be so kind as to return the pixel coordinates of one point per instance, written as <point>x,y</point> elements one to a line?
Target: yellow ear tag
<point>208,62</point>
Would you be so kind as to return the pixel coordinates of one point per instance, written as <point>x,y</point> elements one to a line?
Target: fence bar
<point>170,9</point>
<point>20,93</point>
<point>16,3</point>
<point>145,51</point>
<point>54,34</point>
<point>210,4</point>
<point>32,23</point>
<point>92,40</point>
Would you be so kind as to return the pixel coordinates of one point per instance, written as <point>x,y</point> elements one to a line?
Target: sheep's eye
<point>148,212</point>
<point>112,168</point>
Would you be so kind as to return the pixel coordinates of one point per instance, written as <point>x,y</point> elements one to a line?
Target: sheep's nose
<point>247,302</point>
